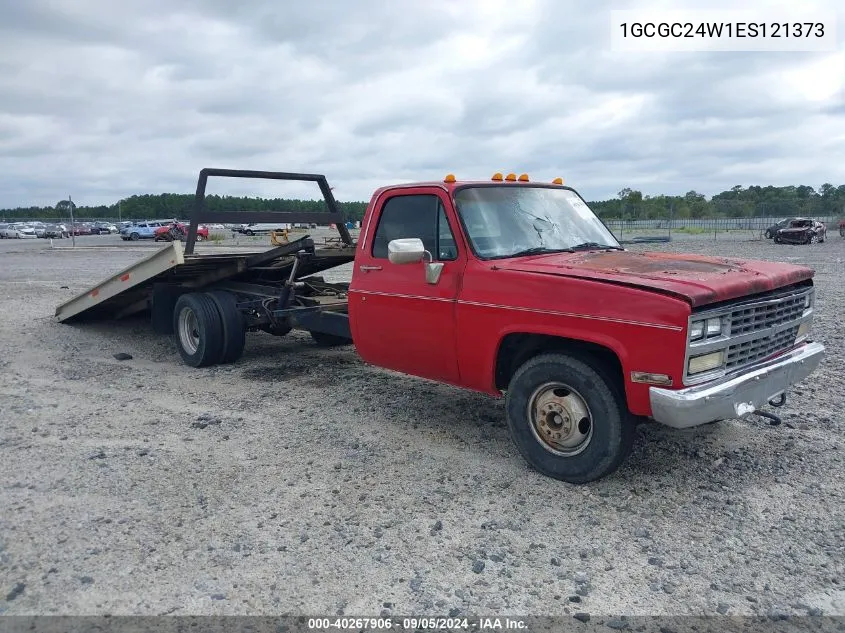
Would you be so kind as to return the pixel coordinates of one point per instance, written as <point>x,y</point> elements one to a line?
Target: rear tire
<point>568,421</point>
<point>329,340</point>
<point>234,327</point>
<point>198,329</point>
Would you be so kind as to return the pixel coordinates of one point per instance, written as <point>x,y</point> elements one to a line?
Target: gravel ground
<point>303,481</point>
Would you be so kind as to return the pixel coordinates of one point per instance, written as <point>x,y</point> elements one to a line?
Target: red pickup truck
<point>517,289</point>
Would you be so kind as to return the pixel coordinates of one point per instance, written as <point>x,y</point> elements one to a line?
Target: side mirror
<point>405,251</point>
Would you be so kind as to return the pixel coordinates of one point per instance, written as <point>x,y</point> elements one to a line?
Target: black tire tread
<point>234,327</point>
<point>606,401</point>
<point>210,349</point>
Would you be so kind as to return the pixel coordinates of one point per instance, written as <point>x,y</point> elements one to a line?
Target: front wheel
<point>134,237</point>
<point>568,421</point>
<point>768,234</point>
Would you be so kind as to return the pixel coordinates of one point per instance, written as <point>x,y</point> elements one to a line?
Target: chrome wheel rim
<point>189,335</point>
<point>560,419</point>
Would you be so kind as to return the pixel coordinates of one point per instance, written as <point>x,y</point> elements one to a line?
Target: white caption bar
<point>794,29</point>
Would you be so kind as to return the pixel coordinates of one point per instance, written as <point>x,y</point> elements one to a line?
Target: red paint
<point>635,304</point>
<point>124,277</point>
<point>95,292</point>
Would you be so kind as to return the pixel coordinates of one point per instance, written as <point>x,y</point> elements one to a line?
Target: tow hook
<point>777,403</point>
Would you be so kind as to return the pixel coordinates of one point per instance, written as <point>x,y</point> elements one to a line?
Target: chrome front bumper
<point>734,396</point>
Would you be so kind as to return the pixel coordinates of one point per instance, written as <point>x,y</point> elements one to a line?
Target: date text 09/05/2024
<point>416,624</point>
<point>723,29</point>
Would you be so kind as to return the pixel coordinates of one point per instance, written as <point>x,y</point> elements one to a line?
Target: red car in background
<point>178,231</point>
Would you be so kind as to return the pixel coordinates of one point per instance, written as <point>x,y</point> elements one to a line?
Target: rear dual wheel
<point>209,328</point>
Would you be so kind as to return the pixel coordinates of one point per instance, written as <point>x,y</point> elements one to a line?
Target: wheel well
<point>517,348</point>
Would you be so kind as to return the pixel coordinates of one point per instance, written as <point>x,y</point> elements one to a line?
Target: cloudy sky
<point>101,99</point>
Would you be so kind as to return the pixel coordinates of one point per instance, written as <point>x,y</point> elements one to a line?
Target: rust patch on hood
<point>626,262</point>
<point>699,279</point>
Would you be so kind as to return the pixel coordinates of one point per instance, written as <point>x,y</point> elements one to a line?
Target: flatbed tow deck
<point>210,300</point>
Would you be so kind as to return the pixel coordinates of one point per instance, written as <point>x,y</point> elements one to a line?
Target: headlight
<point>714,327</point>
<point>706,362</point>
<point>696,330</point>
<point>705,328</point>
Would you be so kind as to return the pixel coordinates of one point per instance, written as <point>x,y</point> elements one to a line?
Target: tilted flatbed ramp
<point>130,290</point>
<point>120,290</point>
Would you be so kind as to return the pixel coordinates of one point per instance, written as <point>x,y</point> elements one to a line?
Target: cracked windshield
<point>510,221</point>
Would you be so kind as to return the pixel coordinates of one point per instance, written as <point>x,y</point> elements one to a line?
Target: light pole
<point>72,232</point>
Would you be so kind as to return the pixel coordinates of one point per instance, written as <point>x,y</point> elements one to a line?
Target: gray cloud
<point>100,99</point>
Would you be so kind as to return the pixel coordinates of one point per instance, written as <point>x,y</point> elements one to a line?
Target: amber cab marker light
<point>449,178</point>
<point>497,177</point>
<point>523,178</point>
<point>511,177</point>
<point>557,181</point>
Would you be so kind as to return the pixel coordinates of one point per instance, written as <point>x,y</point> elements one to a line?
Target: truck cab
<point>516,288</point>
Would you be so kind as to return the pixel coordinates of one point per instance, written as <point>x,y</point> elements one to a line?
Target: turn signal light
<point>449,178</point>
<point>523,178</point>
<point>497,176</point>
<point>511,177</point>
<point>557,181</point>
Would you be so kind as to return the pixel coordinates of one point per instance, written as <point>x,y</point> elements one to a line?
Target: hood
<point>698,279</point>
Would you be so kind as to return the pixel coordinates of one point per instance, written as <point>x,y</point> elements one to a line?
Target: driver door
<point>399,320</point>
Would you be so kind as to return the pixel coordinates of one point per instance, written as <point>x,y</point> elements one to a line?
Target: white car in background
<point>18,231</point>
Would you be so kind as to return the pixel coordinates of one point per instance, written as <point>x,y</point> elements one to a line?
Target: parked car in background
<point>80,229</point>
<point>802,231</point>
<point>103,228</point>
<point>178,231</point>
<point>19,231</point>
<point>140,231</point>
<point>255,228</point>
<point>53,231</point>
<point>777,226</point>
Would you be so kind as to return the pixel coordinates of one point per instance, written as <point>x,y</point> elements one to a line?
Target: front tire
<point>568,421</point>
<point>134,237</point>
<point>768,234</point>
<point>198,329</point>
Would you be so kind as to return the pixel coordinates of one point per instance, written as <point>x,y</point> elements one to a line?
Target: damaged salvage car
<point>802,231</point>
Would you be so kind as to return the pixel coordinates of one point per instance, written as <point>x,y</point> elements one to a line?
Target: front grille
<point>761,317</point>
<point>745,353</point>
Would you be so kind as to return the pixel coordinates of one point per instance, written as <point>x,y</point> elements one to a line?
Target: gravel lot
<point>303,481</point>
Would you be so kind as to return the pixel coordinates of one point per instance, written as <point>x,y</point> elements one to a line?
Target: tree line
<point>753,201</point>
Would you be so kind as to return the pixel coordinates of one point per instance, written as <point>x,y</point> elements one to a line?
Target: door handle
<point>369,268</point>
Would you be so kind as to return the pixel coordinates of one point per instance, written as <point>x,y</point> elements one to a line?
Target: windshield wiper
<point>588,245</point>
<point>537,250</point>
